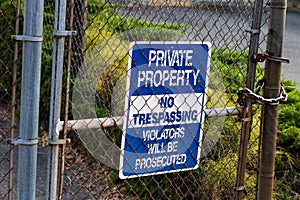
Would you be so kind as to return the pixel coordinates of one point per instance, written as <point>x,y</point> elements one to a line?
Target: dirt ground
<point>5,149</point>
<point>83,177</point>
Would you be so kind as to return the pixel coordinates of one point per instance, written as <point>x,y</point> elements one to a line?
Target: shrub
<point>217,171</point>
<point>287,170</point>
<point>7,27</point>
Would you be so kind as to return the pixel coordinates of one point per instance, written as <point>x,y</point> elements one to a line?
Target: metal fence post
<point>55,101</point>
<point>247,115</point>
<point>271,89</point>
<point>30,93</point>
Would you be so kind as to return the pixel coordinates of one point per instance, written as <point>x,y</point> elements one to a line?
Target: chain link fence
<point>9,97</point>
<point>100,68</point>
<point>94,93</point>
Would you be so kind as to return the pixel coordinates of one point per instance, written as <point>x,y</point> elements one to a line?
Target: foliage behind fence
<point>8,100</point>
<point>98,70</point>
<point>108,31</point>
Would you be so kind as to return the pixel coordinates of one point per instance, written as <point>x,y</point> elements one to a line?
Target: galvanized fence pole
<point>30,95</point>
<point>55,101</point>
<point>272,89</point>
<point>247,115</point>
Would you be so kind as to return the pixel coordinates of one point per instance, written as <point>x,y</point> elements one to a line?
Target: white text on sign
<point>170,58</point>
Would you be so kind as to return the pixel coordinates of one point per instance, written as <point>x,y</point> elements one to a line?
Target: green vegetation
<point>7,27</point>
<point>219,167</point>
<point>287,170</point>
<point>103,21</point>
<point>46,69</point>
<point>232,67</point>
<point>217,171</point>
<point>100,28</point>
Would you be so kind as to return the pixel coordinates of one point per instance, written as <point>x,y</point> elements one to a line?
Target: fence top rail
<point>107,122</point>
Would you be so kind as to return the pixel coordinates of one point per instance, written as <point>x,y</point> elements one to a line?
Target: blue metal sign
<point>164,106</point>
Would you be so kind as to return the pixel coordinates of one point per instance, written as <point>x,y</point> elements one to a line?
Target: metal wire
<point>98,68</point>
<point>104,26</point>
<point>9,20</point>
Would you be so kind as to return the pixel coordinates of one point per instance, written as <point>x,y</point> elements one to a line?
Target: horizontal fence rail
<point>99,69</point>
<point>118,121</point>
<point>93,149</point>
<point>100,60</point>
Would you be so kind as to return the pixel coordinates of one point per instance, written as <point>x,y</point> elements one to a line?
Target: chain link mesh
<point>99,67</point>
<point>98,88</point>
<point>8,101</point>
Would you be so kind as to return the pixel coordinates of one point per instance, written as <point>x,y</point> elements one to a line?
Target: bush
<point>7,27</point>
<point>217,171</point>
<point>228,70</point>
<point>287,170</point>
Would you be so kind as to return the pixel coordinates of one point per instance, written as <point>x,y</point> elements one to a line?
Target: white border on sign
<point>127,99</point>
